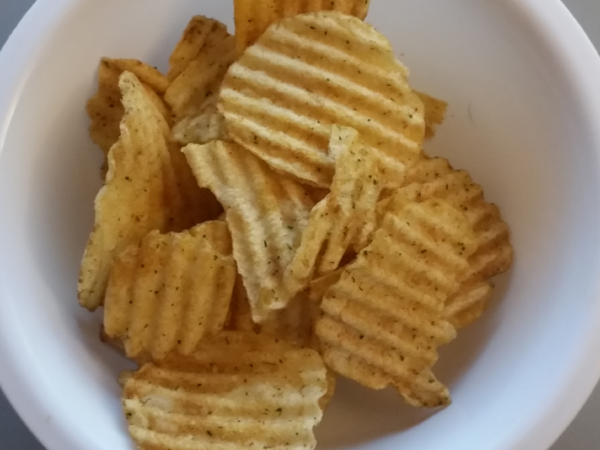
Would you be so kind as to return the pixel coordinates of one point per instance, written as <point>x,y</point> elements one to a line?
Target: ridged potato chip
<point>435,179</point>
<point>201,32</point>
<point>435,110</point>
<point>266,214</point>
<point>310,72</point>
<point>105,109</point>
<point>140,193</point>
<point>384,319</point>
<point>345,219</point>
<point>171,291</point>
<point>237,391</point>
<point>252,18</point>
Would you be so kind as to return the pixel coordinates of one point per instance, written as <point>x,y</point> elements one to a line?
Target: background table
<point>584,432</point>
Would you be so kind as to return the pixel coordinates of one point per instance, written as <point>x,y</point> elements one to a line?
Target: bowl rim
<point>552,22</point>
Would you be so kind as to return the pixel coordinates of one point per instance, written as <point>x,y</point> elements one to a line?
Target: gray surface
<point>584,432</point>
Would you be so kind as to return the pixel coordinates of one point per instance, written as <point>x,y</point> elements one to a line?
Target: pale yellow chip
<point>202,78</point>
<point>384,319</point>
<point>266,214</point>
<point>252,17</point>
<point>140,194</point>
<point>201,32</point>
<point>310,72</point>
<point>105,109</point>
<point>171,291</point>
<point>435,111</point>
<point>238,391</point>
<point>435,179</point>
<point>345,219</point>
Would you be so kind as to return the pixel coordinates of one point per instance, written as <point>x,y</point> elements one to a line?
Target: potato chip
<point>201,32</point>
<point>435,110</point>
<point>105,109</point>
<point>266,214</point>
<point>252,18</point>
<point>310,72</point>
<point>171,291</point>
<point>202,78</point>
<point>435,178</point>
<point>345,218</point>
<point>139,193</point>
<point>384,319</point>
<point>238,391</point>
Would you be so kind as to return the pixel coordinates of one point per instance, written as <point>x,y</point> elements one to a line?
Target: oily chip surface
<point>310,72</point>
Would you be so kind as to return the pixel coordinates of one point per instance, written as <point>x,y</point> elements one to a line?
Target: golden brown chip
<point>384,319</point>
<point>140,193</point>
<point>252,18</point>
<point>238,391</point>
<point>171,291</point>
<point>435,110</point>
<point>345,218</point>
<point>105,109</point>
<point>435,179</point>
<point>202,78</point>
<point>266,214</point>
<point>201,32</point>
<point>310,72</point>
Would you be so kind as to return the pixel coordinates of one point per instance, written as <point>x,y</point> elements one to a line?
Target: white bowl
<point>522,82</point>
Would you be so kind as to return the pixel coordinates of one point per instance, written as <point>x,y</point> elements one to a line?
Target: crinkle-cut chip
<point>140,193</point>
<point>384,319</point>
<point>266,214</point>
<point>469,303</point>
<point>435,111</point>
<point>345,219</point>
<point>237,391</point>
<point>252,18</point>
<point>201,79</point>
<point>171,291</point>
<point>436,179</point>
<point>310,72</point>
<point>202,127</point>
<point>105,109</point>
<point>201,32</point>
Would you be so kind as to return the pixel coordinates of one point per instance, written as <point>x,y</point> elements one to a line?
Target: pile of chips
<point>269,221</point>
